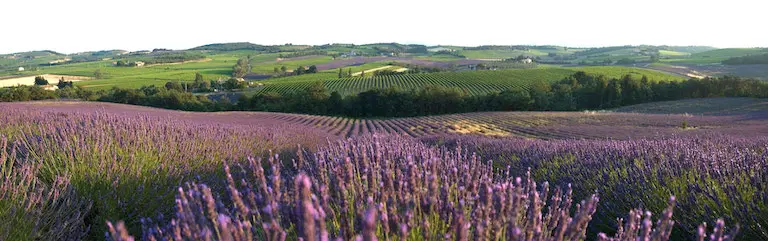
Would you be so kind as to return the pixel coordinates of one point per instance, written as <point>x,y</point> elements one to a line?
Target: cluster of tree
<point>25,93</point>
<point>519,58</point>
<point>577,92</point>
<point>172,57</point>
<point>200,85</point>
<point>242,67</point>
<point>342,74</point>
<point>302,53</point>
<point>161,56</point>
<point>388,72</point>
<point>40,80</point>
<point>397,48</point>
<point>451,53</point>
<point>596,62</point>
<point>168,98</point>
<point>749,59</point>
<point>625,61</point>
<point>282,71</point>
<point>499,47</point>
<point>237,46</point>
<point>305,70</point>
<point>98,74</point>
<point>64,84</point>
<point>123,63</point>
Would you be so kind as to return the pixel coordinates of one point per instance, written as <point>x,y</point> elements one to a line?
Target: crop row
<point>471,82</point>
<point>534,125</point>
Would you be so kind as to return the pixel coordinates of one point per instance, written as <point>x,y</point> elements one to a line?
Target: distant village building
<point>526,61</point>
<point>438,49</point>
<point>350,54</point>
<point>21,69</point>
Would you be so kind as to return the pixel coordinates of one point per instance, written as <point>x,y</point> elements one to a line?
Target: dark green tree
<point>64,84</point>
<point>97,74</point>
<point>40,80</point>
<point>242,68</point>
<point>174,85</point>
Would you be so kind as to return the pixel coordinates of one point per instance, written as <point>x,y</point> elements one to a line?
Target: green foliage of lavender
<point>65,171</point>
<point>390,188</point>
<point>712,176</point>
<point>121,165</point>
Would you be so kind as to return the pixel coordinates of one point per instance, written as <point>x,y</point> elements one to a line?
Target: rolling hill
<point>473,82</point>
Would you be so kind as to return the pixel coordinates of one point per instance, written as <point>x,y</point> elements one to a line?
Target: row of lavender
<point>712,176</point>
<point>391,188</point>
<point>66,172</point>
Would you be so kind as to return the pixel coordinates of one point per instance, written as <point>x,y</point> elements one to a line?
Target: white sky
<point>85,25</point>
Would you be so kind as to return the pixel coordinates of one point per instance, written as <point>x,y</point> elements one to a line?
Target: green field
<point>717,55</point>
<point>269,67</point>
<point>669,53</point>
<point>512,53</point>
<point>473,82</point>
<point>217,64</point>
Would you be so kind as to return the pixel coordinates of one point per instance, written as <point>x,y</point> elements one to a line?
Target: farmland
<point>126,163</point>
<point>474,82</point>
<point>472,143</point>
<point>30,80</point>
<point>718,55</point>
<point>217,62</point>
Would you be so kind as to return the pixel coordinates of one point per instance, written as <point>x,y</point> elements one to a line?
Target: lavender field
<point>90,171</point>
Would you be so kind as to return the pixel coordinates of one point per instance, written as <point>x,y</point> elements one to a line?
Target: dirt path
<point>679,70</point>
<point>30,80</point>
<point>368,71</point>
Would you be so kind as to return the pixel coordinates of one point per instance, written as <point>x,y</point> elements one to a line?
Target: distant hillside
<point>749,59</point>
<point>473,82</point>
<point>10,62</point>
<point>689,49</point>
<point>729,53</point>
<point>236,46</point>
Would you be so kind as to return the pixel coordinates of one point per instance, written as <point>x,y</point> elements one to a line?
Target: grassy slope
<point>717,55</point>
<point>474,82</point>
<point>708,106</point>
<point>268,67</point>
<point>220,66</point>
<point>501,54</point>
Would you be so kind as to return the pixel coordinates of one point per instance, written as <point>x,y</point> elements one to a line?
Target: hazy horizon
<point>90,25</point>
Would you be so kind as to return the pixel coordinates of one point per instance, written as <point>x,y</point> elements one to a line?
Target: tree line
<point>749,59</point>
<point>577,92</point>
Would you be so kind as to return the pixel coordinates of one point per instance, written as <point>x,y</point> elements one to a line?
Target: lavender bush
<point>69,167</point>
<point>30,208</point>
<point>126,163</point>
<point>712,176</point>
<point>387,188</point>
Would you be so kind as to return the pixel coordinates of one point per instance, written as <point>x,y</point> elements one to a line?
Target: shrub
<point>391,189</point>
<point>40,80</point>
